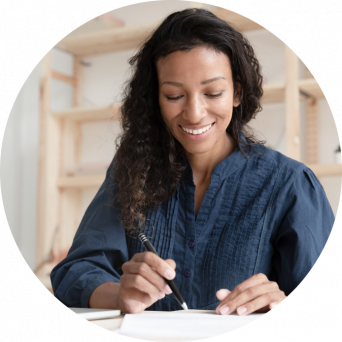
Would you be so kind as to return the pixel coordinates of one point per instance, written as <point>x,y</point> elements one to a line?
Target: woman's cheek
<point>169,123</point>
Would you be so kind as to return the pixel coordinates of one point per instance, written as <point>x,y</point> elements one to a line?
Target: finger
<point>171,262</point>
<point>256,279</point>
<point>149,274</point>
<point>136,281</point>
<point>222,294</point>
<point>158,264</point>
<point>232,303</point>
<point>260,302</point>
<point>136,295</point>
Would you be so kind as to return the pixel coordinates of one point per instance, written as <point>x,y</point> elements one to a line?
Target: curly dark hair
<point>149,162</point>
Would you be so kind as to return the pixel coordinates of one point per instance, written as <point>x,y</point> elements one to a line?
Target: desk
<point>114,323</point>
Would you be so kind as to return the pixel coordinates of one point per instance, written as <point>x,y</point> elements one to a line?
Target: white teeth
<point>197,131</point>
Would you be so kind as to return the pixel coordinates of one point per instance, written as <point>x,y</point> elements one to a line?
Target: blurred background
<point>60,136</point>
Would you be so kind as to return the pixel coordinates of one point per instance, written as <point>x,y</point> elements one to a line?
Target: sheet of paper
<point>182,325</point>
<point>91,314</point>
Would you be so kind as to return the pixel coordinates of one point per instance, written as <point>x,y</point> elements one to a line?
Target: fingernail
<point>273,305</point>
<point>224,310</point>
<point>241,311</point>
<point>161,294</point>
<point>167,289</point>
<point>169,274</point>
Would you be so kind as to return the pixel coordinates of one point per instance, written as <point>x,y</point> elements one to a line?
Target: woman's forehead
<point>197,54</point>
<point>198,61</point>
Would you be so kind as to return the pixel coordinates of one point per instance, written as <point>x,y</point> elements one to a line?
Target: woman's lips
<point>198,132</point>
<point>197,127</point>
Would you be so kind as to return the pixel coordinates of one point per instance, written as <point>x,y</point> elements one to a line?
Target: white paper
<point>91,314</point>
<point>182,325</point>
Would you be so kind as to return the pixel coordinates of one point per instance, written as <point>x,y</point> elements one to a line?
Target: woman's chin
<point>196,149</point>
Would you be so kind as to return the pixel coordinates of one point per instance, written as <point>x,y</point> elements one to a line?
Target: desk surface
<point>114,323</point>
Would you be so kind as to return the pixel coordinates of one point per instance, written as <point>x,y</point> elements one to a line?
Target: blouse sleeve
<point>97,253</point>
<point>303,232</point>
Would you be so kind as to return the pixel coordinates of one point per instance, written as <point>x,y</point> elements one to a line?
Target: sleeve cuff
<point>92,285</point>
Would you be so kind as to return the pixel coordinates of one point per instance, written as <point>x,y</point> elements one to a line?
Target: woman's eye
<point>173,98</point>
<point>178,97</point>
<point>216,95</point>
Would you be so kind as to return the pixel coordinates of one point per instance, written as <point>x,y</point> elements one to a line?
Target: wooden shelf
<point>320,170</point>
<point>326,170</point>
<point>130,37</point>
<point>276,92</point>
<point>109,40</point>
<point>87,114</point>
<point>273,93</point>
<point>311,87</point>
<point>80,182</point>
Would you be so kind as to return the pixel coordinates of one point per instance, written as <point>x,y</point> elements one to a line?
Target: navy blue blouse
<point>262,214</point>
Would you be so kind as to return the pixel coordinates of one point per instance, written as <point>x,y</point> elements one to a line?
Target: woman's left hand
<point>256,293</point>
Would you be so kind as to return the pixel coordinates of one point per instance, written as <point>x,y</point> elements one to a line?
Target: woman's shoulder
<point>277,159</point>
<point>290,170</point>
<point>291,178</point>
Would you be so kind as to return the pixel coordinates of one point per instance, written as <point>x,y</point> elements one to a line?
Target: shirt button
<point>187,273</point>
<point>191,244</point>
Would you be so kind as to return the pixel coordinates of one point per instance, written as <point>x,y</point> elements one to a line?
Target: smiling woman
<point>198,111</point>
<point>236,225</point>
<point>148,148</point>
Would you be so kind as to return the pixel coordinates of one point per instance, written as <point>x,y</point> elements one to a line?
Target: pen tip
<point>184,306</point>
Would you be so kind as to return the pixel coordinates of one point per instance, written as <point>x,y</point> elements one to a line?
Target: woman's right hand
<point>142,283</point>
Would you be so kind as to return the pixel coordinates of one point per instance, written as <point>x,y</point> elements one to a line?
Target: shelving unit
<point>59,185</point>
<point>87,114</point>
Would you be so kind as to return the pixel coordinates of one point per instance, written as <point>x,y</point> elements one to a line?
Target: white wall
<point>103,80</point>
<point>19,165</point>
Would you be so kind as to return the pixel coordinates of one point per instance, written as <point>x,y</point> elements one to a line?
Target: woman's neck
<point>203,164</point>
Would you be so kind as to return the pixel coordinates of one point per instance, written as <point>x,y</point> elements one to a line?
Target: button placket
<point>189,262</point>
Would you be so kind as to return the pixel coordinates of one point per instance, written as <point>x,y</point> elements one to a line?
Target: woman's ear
<point>237,92</point>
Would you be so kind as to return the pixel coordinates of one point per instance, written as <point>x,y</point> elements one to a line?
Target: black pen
<point>173,286</point>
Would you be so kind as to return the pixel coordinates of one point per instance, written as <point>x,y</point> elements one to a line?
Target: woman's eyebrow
<point>177,84</point>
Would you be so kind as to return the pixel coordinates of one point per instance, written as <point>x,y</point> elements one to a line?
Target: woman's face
<point>196,97</point>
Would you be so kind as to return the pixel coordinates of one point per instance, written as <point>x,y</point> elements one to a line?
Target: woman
<point>241,225</point>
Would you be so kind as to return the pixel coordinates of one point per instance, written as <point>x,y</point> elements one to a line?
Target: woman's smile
<point>196,132</point>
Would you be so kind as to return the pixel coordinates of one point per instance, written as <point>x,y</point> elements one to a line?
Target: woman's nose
<point>194,110</point>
